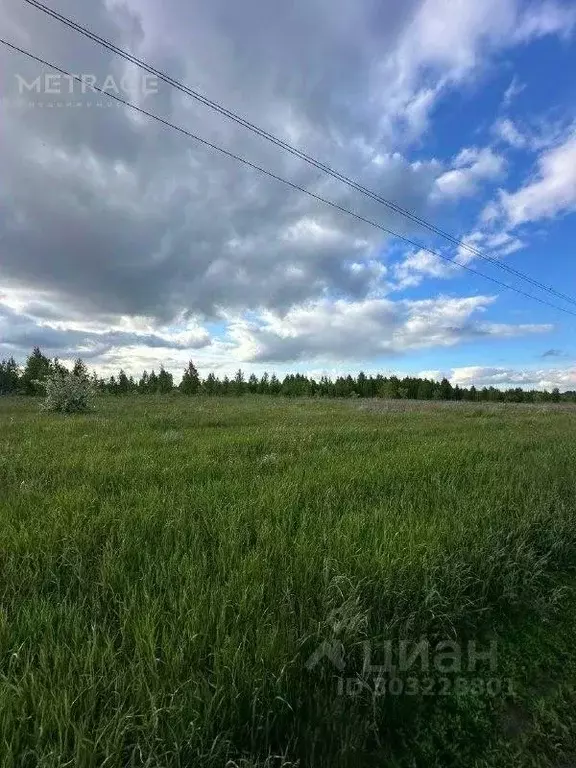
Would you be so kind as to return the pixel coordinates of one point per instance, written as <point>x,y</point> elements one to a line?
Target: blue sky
<point>134,247</point>
<point>530,88</point>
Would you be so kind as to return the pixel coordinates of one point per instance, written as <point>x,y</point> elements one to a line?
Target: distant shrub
<point>67,393</point>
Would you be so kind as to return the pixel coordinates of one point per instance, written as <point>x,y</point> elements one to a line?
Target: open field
<point>172,569</point>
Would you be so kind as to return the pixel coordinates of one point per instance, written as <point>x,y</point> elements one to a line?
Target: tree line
<point>28,380</point>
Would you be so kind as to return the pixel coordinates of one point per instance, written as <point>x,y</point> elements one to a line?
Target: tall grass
<point>168,566</point>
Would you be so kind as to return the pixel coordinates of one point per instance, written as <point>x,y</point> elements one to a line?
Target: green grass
<point>169,565</point>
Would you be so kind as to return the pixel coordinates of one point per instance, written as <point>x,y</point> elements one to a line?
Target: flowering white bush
<point>67,393</point>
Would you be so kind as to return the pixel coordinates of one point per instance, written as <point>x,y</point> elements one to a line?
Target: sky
<point>133,246</point>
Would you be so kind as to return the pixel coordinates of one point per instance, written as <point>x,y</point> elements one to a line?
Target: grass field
<point>172,568</point>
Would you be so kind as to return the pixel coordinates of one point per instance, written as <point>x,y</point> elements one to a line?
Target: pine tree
<point>190,383</point>
<point>275,386</point>
<point>211,385</point>
<point>325,387</point>
<point>425,390</point>
<point>80,369</point>
<point>58,367</point>
<point>362,384</point>
<point>37,369</point>
<point>390,388</point>
<point>9,377</point>
<point>153,383</point>
<point>287,387</point>
<point>143,384</point>
<point>165,381</point>
<point>123,386</point>
<point>446,391</point>
<point>239,383</point>
<point>98,384</point>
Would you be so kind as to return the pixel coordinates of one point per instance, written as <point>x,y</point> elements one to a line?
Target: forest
<point>28,380</point>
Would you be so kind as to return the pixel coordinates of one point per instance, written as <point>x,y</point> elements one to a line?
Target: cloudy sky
<point>133,246</point>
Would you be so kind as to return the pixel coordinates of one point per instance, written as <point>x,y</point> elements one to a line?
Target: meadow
<point>191,581</point>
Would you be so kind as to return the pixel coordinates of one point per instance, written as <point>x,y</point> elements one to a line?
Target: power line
<point>272,175</point>
<point>294,151</point>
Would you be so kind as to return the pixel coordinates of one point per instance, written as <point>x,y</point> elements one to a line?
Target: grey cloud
<point>117,214</point>
<point>20,332</point>
<point>105,132</point>
<point>113,214</point>
<point>314,63</point>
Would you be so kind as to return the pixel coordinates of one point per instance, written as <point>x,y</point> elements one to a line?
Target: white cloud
<point>418,265</point>
<point>550,193</point>
<point>504,378</point>
<point>490,213</point>
<point>514,89</point>
<point>537,133</point>
<point>471,167</point>
<point>344,330</point>
<point>506,130</point>
<point>503,243</point>
<point>546,18</point>
<point>493,243</point>
<point>473,240</point>
<point>447,43</point>
<point>309,231</point>
<point>448,34</point>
